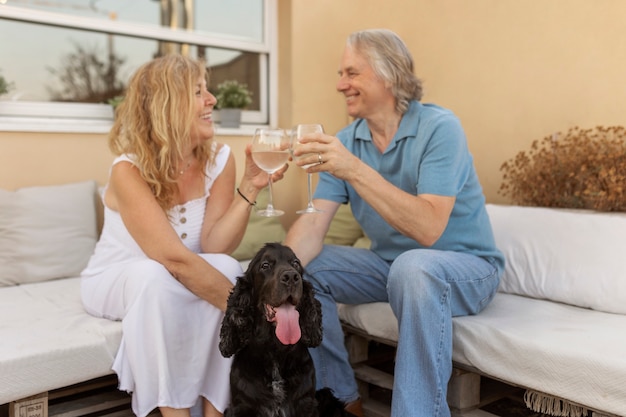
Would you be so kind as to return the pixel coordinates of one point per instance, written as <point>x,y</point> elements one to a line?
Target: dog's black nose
<point>290,277</point>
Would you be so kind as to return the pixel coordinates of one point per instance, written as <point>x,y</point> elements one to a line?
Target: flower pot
<point>230,117</point>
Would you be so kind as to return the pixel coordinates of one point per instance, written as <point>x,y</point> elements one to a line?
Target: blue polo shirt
<point>428,155</point>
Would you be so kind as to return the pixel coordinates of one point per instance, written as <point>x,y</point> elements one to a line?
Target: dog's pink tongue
<point>287,324</point>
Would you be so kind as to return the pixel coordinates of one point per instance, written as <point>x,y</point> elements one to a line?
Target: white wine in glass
<point>297,133</point>
<point>270,151</point>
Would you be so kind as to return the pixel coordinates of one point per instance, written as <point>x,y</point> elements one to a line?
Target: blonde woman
<point>171,216</point>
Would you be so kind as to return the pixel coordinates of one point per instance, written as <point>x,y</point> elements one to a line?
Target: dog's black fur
<point>268,377</point>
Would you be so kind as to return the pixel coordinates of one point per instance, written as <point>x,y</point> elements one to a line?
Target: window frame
<point>31,116</point>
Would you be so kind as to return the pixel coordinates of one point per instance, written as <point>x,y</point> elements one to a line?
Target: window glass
<point>244,67</point>
<point>52,63</point>
<point>234,18</point>
<point>240,19</point>
<point>40,70</point>
<point>76,66</point>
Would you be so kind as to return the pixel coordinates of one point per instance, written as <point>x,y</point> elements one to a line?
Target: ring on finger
<point>319,158</point>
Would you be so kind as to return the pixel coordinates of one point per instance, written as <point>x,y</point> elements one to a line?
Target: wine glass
<point>297,133</point>
<point>270,151</point>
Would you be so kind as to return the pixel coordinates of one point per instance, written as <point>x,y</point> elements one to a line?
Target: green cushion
<point>344,229</point>
<point>260,230</point>
<point>363,243</point>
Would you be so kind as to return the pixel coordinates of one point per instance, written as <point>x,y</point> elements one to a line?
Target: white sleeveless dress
<point>169,352</point>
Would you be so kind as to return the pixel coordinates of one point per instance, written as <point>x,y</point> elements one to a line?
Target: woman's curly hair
<point>154,120</point>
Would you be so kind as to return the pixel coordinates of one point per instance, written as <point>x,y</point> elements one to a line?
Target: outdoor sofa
<point>557,327</point>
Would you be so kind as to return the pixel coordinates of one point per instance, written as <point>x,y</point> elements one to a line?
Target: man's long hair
<point>391,61</point>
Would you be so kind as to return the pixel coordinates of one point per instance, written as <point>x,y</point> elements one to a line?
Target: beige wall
<point>512,71</point>
<point>28,159</point>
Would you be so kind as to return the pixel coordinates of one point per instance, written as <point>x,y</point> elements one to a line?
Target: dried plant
<point>586,168</point>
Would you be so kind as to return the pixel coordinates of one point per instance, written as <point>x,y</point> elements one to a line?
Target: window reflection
<point>41,53</point>
<point>243,67</point>
<point>89,67</point>
<point>239,19</point>
<point>58,64</point>
<point>64,56</point>
<point>138,11</point>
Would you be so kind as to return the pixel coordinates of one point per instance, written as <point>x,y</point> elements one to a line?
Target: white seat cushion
<point>49,341</point>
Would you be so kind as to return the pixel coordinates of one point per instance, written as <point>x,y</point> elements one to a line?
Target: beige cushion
<point>260,231</point>
<point>46,232</point>
<point>344,229</point>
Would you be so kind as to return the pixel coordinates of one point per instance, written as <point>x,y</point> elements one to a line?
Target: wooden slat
<point>472,413</point>
<point>357,347</point>
<point>373,376</point>
<point>373,408</point>
<point>129,413</point>
<point>492,391</point>
<point>33,406</point>
<point>93,384</point>
<point>120,413</point>
<point>355,330</point>
<point>90,404</point>
<point>463,390</point>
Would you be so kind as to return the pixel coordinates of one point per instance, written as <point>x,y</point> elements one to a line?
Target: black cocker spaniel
<point>271,320</point>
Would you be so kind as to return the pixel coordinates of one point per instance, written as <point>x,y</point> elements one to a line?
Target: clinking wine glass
<point>270,151</point>
<point>297,133</point>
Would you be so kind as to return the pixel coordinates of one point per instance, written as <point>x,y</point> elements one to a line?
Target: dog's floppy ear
<point>310,316</point>
<point>238,324</point>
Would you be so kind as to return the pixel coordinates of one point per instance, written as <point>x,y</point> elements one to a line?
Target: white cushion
<point>575,257</point>
<point>48,341</point>
<point>46,232</point>
<point>557,349</point>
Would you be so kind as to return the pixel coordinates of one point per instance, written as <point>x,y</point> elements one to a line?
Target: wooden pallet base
<point>34,406</point>
<point>468,392</point>
<point>99,396</point>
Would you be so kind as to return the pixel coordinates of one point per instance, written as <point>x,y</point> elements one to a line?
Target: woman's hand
<point>255,176</point>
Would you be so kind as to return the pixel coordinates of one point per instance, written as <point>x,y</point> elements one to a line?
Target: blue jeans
<point>425,289</point>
